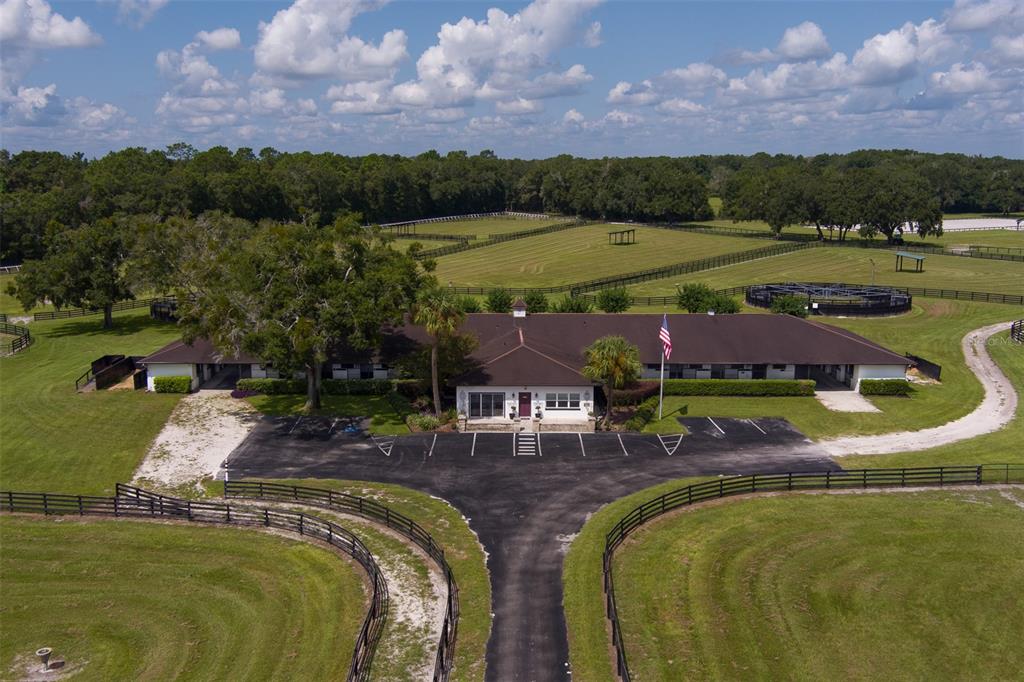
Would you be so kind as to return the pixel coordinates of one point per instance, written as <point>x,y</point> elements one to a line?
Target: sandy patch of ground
<point>978,223</point>
<point>200,434</point>
<point>995,412</point>
<point>845,401</point>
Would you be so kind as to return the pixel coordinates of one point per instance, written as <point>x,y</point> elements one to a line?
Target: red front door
<point>525,405</point>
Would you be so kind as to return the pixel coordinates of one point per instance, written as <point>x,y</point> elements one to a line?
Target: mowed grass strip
<point>580,254</point>
<point>484,226</point>
<point>898,585</point>
<point>54,439</point>
<point>933,330</point>
<point>124,600</point>
<point>853,266</point>
<point>462,550</point>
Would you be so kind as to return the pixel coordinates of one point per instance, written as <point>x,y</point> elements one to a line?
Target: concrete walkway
<point>995,412</point>
<point>845,401</point>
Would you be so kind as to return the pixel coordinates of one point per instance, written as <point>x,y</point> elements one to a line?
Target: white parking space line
<point>539,452</point>
<point>754,424</point>
<point>622,446</point>
<point>513,443</point>
<point>716,426</point>
<point>582,449</point>
<point>432,444</point>
<point>297,420</point>
<point>333,424</point>
<point>472,449</point>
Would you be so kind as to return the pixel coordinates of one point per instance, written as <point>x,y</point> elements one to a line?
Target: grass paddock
<point>857,586</point>
<point>580,253</point>
<point>123,600</point>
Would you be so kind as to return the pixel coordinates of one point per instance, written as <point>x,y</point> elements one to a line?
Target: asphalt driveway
<point>524,508</point>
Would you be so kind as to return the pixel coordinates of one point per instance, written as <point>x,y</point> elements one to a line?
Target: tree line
<point>44,193</point>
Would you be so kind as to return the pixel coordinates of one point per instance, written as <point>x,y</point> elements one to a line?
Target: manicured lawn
<point>1003,446</point>
<point>853,265</point>
<point>123,600</point>
<point>486,226</point>
<point>54,439</point>
<point>580,254</point>
<point>383,418</point>
<point>932,330</point>
<point>404,244</point>
<point>1007,238</point>
<point>817,587</point>
<point>462,551</point>
<point>582,580</point>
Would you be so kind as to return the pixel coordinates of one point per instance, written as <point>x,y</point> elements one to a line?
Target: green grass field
<point>580,254</point>
<point>404,244</point>
<point>961,216</point>
<point>933,330</point>
<point>485,226</point>
<point>462,551</point>
<point>1005,238</point>
<point>898,585</point>
<point>384,420</point>
<point>54,439</point>
<point>122,600</point>
<point>853,266</point>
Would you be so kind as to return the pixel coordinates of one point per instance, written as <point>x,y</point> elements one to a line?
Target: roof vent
<point>519,308</point>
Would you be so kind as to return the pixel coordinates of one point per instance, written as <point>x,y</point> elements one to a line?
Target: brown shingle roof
<point>201,351</point>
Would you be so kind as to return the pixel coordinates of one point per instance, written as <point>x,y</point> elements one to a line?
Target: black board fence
<point>925,367</point>
<point>1017,331</point>
<point>132,502</point>
<point>493,239</point>
<point>21,338</point>
<point>378,513</point>
<point>467,216</point>
<point>82,312</point>
<point>758,483</point>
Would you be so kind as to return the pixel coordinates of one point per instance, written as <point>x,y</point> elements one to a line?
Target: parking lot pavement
<point>522,507</point>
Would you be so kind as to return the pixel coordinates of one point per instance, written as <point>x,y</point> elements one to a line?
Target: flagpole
<point>661,387</point>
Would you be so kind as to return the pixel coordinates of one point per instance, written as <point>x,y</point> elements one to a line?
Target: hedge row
<point>644,413</point>
<point>327,386</point>
<point>172,384</point>
<point>740,387</point>
<point>885,387</point>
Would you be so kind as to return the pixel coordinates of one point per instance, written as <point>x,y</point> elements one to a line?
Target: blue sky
<point>532,80</point>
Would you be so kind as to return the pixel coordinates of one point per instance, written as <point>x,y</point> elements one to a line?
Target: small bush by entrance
<point>172,384</point>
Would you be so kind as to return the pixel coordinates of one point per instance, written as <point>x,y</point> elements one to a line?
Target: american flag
<point>666,338</point>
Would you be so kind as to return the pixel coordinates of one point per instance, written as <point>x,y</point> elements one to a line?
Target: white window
<point>486,404</point>
<point>562,401</point>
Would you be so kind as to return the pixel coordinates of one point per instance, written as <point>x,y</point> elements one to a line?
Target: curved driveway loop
<point>525,509</point>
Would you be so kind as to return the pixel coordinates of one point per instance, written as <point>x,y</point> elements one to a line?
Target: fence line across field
<point>22,338</point>
<point>376,512</point>
<point>793,481</point>
<point>467,216</point>
<point>135,502</point>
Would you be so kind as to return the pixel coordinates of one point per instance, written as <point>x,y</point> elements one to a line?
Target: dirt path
<point>200,434</point>
<point>995,412</point>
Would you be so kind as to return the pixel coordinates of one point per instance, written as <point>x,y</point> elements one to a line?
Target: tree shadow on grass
<point>93,326</point>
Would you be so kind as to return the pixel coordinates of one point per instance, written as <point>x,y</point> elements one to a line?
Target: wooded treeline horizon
<point>42,192</point>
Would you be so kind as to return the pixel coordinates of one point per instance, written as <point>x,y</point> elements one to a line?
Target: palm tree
<point>441,315</point>
<point>613,362</point>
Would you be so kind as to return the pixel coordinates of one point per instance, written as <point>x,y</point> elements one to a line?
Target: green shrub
<point>643,415</point>
<point>614,300</point>
<point>273,386</point>
<point>885,387</point>
<point>422,422</point>
<point>173,384</point>
<point>573,304</point>
<point>356,386</point>
<point>499,301</point>
<point>536,302</point>
<point>740,387</point>
<point>790,305</point>
<point>636,393</point>
<point>468,304</point>
<point>725,305</point>
<point>398,403</point>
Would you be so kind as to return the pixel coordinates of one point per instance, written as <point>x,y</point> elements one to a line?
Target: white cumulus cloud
<point>220,39</point>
